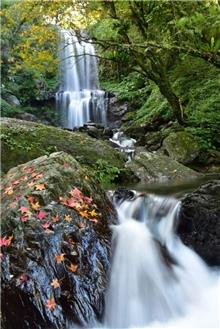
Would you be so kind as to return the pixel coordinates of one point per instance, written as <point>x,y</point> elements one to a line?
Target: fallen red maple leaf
<point>24,210</point>
<point>29,170</point>
<point>50,304</point>
<point>24,218</point>
<point>42,215</point>
<point>6,241</point>
<point>46,225</point>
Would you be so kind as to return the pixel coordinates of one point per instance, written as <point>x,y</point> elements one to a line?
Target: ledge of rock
<point>55,245</point>
<point>23,141</point>
<point>147,166</point>
<point>199,222</point>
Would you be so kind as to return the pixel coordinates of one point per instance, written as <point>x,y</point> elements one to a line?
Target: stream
<point>155,280</point>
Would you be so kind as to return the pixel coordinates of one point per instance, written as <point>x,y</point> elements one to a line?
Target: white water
<point>148,289</point>
<point>79,99</point>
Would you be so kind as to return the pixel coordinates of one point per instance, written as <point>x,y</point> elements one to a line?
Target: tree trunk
<point>173,100</point>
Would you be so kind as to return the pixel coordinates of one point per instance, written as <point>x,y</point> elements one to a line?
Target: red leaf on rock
<point>55,283</point>
<point>46,225</point>
<point>6,241</point>
<point>15,182</point>
<point>59,258</point>
<point>29,170</point>
<point>24,210</point>
<point>24,218</point>
<point>50,304</point>
<point>23,278</point>
<point>42,215</point>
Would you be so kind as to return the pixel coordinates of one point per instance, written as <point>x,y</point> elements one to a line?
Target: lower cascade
<point>155,279</point>
<point>79,98</point>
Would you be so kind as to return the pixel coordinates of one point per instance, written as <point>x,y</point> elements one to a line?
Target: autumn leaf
<point>15,182</point>
<point>29,170</point>
<point>76,193</point>
<point>30,198</point>
<point>72,267</point>
<point>93,213</point>
<point>67,218</point>
<point>40,187</point>
<point>66,165</point>
<point>94,220</point>
<point>6,241</point>
<point>55,283</point>
<point>59,258</point>
<point>84,214</point>
<point>42,215</point>
<point>24,218</point>
<point>8,190</point>
<point>46,225</point>
<point>55,218</point>
<point>50,304</point>
<point>25,210</point>
<point>35,205</point>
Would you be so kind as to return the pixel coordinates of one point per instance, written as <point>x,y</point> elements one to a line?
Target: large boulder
<point>23,141</point>
<point>147,166</point>
<point>55,245</point>
<point>181,146</point>
<point>199,221</point>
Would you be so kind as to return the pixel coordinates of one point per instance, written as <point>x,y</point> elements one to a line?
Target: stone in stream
<point>199,221</point>
<point>50,234</point>
<point>148,167</point>
<point>181,146</point>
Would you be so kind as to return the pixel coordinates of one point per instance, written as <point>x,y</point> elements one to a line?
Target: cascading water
<point>155,279</point>
<point>79,98</point>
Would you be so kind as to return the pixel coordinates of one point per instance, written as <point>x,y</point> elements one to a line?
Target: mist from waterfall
<point>79,98</point>
<point>156,281</point>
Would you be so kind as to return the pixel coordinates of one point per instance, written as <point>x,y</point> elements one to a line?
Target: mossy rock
<point>43,225</point>
<point>181,146</point>
<point>150,167</point>
<point>23,141</point>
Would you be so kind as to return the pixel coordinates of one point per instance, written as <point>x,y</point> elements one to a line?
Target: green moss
<point>23,141</point>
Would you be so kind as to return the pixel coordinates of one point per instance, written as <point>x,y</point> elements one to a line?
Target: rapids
<point>156,281</point>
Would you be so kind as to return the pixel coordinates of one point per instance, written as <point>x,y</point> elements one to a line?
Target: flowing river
<point>156,281</point>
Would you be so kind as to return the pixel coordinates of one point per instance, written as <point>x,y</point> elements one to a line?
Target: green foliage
<point>8,110</point>
<point>105,172</point>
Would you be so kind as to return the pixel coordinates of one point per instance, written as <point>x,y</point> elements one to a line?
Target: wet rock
<point>11,99</point>
<point>181,146</point>
<point>50,238</point>
<point>116,111</point>
<point>199,221</point>
<point>156,167</point>
<point>23,141</point>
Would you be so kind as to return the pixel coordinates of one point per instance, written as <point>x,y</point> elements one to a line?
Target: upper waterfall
<point>79,98</point>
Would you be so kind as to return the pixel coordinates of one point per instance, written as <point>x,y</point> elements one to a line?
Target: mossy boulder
<point>50,238</point>
<point>181,146</point>
<point>147,166</point>
<point>23,141</point>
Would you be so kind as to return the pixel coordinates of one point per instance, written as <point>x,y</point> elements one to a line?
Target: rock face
<point>156,167</point>
<point>55,246</point>
<point>181,146</point>
<point>23,141</point>
<point>116,111</point>
<point>199,222</point>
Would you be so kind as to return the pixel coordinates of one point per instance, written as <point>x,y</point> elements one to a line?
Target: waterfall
<point>79,99</point>
<point>155,280</point>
